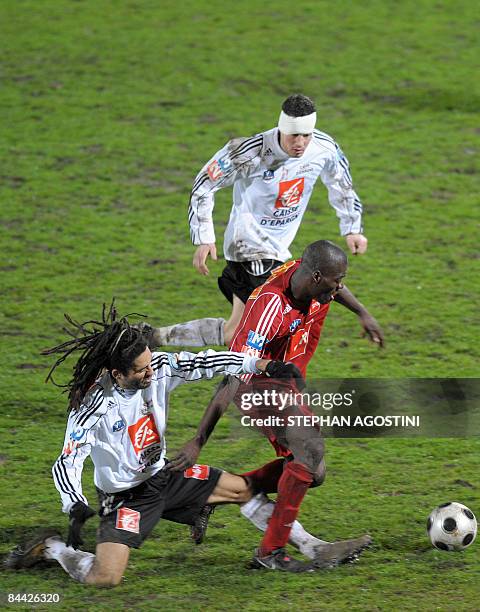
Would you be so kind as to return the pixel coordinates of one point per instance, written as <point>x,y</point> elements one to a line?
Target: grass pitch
<point>108,111</point>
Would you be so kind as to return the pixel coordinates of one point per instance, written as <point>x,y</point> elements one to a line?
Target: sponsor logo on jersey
<point>298,343</point>
<point>255,340</point>
<point>285,212</point>
<point>225,163</point>
<point>144,433</point>
<point>290,193</point>
<point>218,167</point>
<point>314,306</point>
<point>276,222</point>
<point>294,325</point>
<point>268,152</point>
<point>77,434</point>
<point>199,472</point>
<point>70,446</point>
<point>268,175</point>
<point>128,520</point>
<point>288,308</point>
<point>214,170</point>
<point>74,438</point>
<point>149,456</point>
<point>118,425</point>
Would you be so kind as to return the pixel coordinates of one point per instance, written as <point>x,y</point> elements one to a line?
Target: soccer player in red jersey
<point>283,319</point>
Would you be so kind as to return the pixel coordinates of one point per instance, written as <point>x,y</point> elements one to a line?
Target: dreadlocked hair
<point>111,343</point>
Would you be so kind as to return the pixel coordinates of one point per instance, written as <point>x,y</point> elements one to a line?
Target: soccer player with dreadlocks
<point>118,400</point>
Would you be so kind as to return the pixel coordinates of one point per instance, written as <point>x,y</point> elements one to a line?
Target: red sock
<point>266,478</point>
<point>293,485</point>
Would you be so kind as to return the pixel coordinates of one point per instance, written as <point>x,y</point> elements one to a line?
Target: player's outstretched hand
<point>279,369</point>
<point>186,456</point>
<point>357,243</point>
<point>201,255</point>
<point>79,513</point>
<point>372,329</point>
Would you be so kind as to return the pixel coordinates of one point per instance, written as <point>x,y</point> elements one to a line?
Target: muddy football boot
<point>25,556</point>
<point>343,551</point>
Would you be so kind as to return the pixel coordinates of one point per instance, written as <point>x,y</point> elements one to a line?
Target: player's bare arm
<point>370,325</point>
<point>188,454</point>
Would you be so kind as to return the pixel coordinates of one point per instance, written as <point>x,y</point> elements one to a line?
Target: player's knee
<point>311,455</point>
<point>109,579</point>
<point>245,495</point>
<point>319,475</point>
<point>242,493</point>
<point>104,576</point>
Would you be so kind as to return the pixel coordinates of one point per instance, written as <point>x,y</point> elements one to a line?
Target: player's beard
<point>144,384</point>
<point>138,385</point>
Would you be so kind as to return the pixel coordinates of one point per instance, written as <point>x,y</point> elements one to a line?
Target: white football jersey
<point>124,431</point>
<point>270,194</point>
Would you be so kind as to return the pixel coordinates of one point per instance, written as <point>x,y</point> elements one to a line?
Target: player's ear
<point>317,276</point>
<point>115,373</point>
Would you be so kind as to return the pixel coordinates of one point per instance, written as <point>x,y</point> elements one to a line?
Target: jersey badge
<point>290,193</point>
<point>268,176</point>
<point>77,434</point>
<point>118,425</point>
<point>128,520</point>
<point>255,340</point>
<point>214,171</point>
<point>69,447</point>
<point>147,406</point>
<point>218,167</point>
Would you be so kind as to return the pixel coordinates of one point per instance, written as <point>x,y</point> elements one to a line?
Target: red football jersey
<point>273,326</point>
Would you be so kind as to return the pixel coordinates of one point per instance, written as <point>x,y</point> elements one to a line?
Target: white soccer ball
<point>452,526</point>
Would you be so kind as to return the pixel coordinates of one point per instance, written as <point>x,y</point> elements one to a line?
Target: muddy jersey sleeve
<point>234,161</point>
<point>79,438</point>
<point>342,197</point>
<point>179,368</point>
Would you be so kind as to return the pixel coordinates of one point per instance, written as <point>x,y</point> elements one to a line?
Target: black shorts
<point>240,278</point>
<point>129,517</point>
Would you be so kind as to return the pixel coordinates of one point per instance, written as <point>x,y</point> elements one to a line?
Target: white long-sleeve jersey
<point>270,194</point>
<point>124,431</point>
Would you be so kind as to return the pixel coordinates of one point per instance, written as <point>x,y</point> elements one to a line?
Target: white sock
<point>200,332</point>
<point>258,511</point>
<point>77,563</point>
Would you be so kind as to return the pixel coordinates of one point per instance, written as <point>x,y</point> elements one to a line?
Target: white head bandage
<point>296,125</point>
